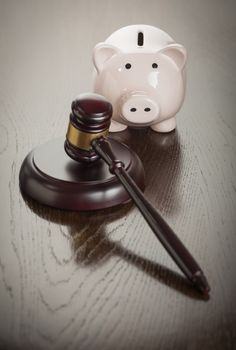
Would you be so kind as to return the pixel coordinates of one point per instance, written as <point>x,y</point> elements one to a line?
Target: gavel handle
<point>159,226</point>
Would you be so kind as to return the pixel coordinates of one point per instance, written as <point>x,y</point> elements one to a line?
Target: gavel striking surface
<point>51,177</point>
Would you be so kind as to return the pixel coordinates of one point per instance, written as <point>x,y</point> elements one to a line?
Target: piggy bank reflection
<point>141,71</point>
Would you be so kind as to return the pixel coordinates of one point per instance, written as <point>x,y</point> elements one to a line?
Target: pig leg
<point>116,126</point>
<point>165,126</point>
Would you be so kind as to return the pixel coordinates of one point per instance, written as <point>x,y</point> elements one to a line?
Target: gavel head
<point>90,118</point>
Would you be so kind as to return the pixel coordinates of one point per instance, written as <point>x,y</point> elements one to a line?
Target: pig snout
<point>139,108</point>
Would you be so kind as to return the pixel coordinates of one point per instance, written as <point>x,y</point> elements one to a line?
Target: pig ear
<point>177,53</point>
<point>103,52</point>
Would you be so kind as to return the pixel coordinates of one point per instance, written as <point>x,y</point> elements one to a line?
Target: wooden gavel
<point>87,141</point>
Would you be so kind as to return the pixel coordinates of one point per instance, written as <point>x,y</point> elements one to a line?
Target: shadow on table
<point>91,244</point>
<point>90,241</point>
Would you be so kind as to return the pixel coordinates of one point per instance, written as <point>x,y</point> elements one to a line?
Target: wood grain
<point>101,280</point>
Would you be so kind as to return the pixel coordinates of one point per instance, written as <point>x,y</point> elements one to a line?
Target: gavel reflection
<point>87,141</point>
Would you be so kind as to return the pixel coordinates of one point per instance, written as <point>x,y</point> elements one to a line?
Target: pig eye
<point>155,65</point>
<point>128,66</point>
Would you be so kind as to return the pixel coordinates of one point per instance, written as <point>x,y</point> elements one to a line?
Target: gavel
<point>87,141</point>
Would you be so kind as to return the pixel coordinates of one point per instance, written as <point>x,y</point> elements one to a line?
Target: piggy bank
<point>140,69</point>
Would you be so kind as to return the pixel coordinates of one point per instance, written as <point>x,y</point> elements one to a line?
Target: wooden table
<point>101,280</point>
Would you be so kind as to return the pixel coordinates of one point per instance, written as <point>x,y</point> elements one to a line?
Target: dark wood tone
<point>51,177</point>
<point>159,226</point>
<point>91,113</point>
<point>101,280</point>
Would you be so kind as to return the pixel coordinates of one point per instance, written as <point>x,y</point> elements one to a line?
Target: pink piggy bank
<point>141,71</point>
